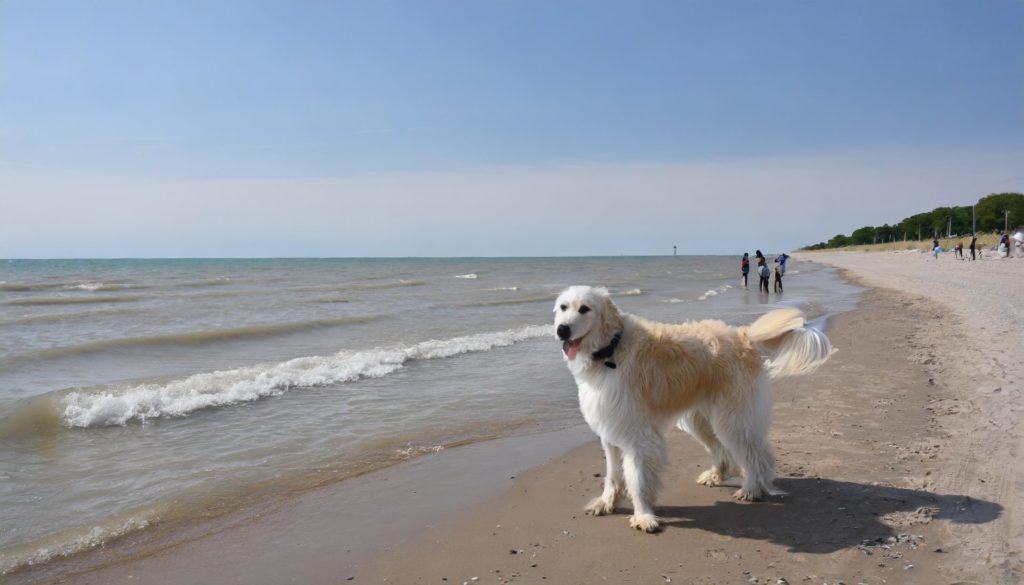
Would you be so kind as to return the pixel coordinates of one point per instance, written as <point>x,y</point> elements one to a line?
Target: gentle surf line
<point>187,338</point>
<point>118,406</point>
<point>31,301</point>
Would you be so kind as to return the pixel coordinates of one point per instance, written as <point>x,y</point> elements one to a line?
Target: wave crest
<point>200,391</point>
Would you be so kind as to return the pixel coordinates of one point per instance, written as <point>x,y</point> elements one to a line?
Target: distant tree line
<point>942,221</point>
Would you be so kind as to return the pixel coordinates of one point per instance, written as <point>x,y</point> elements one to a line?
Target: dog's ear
<point>609,317</point>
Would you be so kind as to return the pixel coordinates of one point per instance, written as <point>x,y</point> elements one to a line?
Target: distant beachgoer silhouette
<point>762,272</point>
<point>765,275</point>
<point>780,269</point>
<point>745,269</point>
<point>974,245</point>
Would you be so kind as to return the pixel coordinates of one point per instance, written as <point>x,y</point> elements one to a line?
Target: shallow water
<point>135,392</point>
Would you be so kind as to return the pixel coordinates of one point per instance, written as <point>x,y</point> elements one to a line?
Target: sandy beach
<point>899,457</point>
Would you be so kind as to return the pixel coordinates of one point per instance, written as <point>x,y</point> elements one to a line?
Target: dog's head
<point>586,319</point>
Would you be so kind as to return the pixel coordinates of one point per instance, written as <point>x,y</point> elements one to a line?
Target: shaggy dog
<point>637,377</point>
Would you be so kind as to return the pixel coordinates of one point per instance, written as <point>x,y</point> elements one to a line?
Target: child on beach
<point>744,268</point>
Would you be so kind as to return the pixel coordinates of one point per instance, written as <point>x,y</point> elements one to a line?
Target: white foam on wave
<point>674,300</point>
<point>70,542</point>
<point>501,288</point>
<point>95,286</point>
<point>121,405</point>
<point>628,293</point>
<point>714,292</point>
<point>470,276</point>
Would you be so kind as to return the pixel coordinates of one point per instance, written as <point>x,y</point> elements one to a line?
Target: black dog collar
<point>608,350</point>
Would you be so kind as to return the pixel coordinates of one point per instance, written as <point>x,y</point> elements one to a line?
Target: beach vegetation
<point>991,214</point>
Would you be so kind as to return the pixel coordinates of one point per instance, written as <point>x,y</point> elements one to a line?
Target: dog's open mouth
<point>570,348</point>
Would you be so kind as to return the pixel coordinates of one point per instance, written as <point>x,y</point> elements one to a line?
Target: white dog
<point>637,377</point>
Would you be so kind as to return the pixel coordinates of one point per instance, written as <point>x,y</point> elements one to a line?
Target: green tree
<point>991,209</point>
<point>838,241</point>
<point>864,235</point>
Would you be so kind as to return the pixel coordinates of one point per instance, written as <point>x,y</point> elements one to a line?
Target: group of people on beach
<point>1006,245</point>
<point>763,273</point>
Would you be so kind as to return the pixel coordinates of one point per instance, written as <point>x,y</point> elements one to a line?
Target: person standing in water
<point>744,269</point>
<point>762,272</point>
<point>780,270</point>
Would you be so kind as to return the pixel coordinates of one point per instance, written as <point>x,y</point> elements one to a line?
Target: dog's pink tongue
<point>570,349</point>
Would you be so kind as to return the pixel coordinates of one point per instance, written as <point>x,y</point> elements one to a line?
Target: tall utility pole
<point>949,229</point>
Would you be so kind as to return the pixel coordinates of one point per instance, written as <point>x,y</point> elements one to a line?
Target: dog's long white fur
<point>710,379</point>
<point>796,354</point>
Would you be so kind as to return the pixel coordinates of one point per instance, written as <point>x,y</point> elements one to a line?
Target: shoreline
<point>331,527</point>
<point>864,502</point>
<point>852,475</point>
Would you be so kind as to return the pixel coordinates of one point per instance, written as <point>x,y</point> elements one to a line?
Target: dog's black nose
<point>564,332</point>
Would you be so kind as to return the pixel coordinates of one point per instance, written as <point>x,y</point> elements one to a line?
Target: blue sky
<point>278,114</point>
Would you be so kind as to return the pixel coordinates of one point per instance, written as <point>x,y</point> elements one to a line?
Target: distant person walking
<point>744,269</point>
<point>958,251</point>
<point>974,246</point>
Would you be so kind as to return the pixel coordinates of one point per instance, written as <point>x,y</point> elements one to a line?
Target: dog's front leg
<point>642,465</point>
<point>613,483</point>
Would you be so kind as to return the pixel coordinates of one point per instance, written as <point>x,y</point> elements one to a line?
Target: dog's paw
<point>710,478</point>
<point>645,522</point>
<point>745,495</point>
<point>599,507</point>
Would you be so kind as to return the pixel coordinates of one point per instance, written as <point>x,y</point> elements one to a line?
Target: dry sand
<point>899,456</point>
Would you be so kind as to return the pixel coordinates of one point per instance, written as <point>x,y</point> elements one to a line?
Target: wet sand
<point>898,456</point>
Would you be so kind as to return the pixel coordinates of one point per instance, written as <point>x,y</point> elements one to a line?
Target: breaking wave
<point>714,292</point>
<point>118,406</point>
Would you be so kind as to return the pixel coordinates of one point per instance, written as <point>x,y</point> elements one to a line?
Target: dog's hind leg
<point>696,423</point>
<point>641,465</point>
<point>613,482</point>
<point>743,430</point>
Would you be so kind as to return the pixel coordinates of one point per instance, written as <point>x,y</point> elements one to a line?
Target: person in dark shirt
<point>744,269</point>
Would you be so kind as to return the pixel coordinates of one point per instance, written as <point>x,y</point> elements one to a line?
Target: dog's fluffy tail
<point>792,347</point>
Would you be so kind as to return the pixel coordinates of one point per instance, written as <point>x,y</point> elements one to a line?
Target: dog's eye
<point>564,307</point>
<point>584,310</point>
